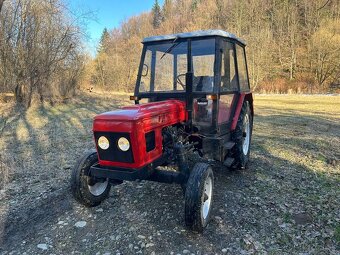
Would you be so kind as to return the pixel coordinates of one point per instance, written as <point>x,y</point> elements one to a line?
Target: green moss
<point>287,217</point>
<point>337,234</point>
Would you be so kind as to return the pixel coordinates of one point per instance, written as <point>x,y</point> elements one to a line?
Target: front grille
<point>150,141</point>
<point>113,153</point>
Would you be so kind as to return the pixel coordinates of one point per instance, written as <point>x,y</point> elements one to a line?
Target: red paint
<point>224,108</point>
<point>248,96</point>
<point>138,120</point>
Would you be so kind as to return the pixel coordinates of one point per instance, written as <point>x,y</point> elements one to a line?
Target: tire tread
<point>79,182</point>
<point>195,186</point>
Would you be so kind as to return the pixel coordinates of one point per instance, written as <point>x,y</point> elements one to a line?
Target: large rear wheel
<point>199,197</point>
<point>87,190</point>
<point>242,137</point>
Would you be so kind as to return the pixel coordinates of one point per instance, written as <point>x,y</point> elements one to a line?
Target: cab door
<point>229,86</point>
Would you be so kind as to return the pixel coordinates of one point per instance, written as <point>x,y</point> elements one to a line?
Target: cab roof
<point>194,34</point>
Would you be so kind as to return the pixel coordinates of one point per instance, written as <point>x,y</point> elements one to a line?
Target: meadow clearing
<point>287,202</point>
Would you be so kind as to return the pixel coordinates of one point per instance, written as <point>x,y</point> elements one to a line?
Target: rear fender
<point>243,97</point>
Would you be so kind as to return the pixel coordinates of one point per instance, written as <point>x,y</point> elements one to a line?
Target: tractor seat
<point>203,83</point>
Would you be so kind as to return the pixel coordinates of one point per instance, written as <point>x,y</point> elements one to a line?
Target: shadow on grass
<point>44,143</point>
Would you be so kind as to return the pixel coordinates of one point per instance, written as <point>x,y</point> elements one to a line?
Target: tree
<point>194,4</point>
<point>104,42</point>
<point>39,50</point>
<point>288,42</point>
<point>167,9</point>
<point>325,49</point>
<point>157,15</point>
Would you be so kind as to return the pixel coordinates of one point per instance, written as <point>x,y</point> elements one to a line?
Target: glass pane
<point>182,64</point>
<point>203,59</point>
<point>164,62</point>
<point>146,73</point>
<point>164,73</point>
<point>228,71</point>
<point>242,69</point>
<point>202,114</point>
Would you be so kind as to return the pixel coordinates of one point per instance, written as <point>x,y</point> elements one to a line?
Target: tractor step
<point>228,162</point>
<point>229,145</point>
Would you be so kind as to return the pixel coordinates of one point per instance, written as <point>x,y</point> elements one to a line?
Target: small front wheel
<point>87,190</point>
<point>199,197</point>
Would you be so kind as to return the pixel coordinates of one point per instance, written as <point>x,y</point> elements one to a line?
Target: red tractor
<point>193,105</point>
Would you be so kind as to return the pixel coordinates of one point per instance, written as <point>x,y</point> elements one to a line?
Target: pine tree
<point>157,15</point>
<point>194,4</point>
<point>104,40</point>
<point>167,9</point>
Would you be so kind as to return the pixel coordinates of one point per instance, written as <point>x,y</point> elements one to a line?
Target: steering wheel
<point>178,79</point>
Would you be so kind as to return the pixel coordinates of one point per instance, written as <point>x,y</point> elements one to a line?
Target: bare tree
<point>283,37</point>
<point>41,42</point>
<point>325,51</point>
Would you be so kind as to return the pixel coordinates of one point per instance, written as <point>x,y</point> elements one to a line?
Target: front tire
<point>199,197</point>
<point>242,137</point>
<point>86,190</point>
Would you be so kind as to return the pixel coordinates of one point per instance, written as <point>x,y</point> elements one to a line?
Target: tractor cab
<point>206,69</point>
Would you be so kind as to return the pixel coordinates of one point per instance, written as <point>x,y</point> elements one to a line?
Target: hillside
<point>292,46</point>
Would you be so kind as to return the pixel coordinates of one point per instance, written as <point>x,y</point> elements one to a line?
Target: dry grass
<point>41,140</point>
<point>308,126</point>
<point>45,137</point>
<point>294,175</point>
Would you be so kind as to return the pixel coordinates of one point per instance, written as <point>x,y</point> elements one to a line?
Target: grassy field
<point>287,201</point>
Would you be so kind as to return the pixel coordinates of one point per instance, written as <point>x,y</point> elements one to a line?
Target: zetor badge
<point>197,108</point>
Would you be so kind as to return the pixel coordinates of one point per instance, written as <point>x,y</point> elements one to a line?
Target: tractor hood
<point>145,111</point>
<point>142,125</point>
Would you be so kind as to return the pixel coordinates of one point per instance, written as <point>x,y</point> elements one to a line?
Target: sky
<point>109,14</point>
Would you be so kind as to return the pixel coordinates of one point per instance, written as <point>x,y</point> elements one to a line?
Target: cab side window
<point>146,74</point>
<point>242,68</point>
<point>228,70</point>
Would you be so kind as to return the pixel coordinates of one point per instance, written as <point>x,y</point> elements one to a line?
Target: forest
<point>293,46</point>
<point>41,52</point>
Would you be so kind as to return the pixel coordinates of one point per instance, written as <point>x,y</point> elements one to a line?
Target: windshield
<point>165,65</point>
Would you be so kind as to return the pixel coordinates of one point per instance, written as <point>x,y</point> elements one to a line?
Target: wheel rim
<point>246,131</point>
<point>98,188</point>
<point>207,196</point>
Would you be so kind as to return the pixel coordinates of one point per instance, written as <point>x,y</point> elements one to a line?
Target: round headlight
<point>103,143</point>
<point>123,144</point>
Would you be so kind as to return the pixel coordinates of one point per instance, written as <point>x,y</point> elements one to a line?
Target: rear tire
<point>85,189</point>
<point>242,137</point>
<point>199,197</point>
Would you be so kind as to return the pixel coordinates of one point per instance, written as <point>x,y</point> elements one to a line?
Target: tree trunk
<point>29,98</point>
<point>19,93</point>
<point>292,65</point>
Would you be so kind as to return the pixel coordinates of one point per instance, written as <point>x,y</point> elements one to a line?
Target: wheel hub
<point>246,135</point>
<point>97,188</point>
<point>207,196</point>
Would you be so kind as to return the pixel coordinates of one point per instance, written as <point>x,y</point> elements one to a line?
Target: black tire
<point>238,136</point>
<point>80,182</point>
<point>195,197</point>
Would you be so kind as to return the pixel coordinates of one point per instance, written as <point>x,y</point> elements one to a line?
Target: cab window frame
<point>244,56</point>
<point>221,65</point>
